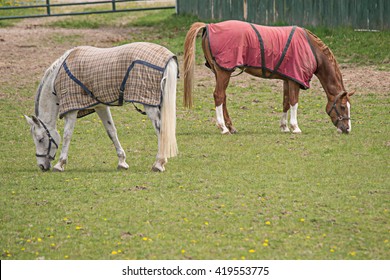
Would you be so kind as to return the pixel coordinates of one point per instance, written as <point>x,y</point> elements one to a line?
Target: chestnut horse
<point>326,69</point>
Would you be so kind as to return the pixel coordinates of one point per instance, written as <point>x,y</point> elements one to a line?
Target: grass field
<point>259,194</point>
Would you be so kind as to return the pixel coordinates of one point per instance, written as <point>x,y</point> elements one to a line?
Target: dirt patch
<point>29,48</point>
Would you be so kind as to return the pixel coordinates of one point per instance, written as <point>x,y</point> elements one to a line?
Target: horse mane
<point>54,66</point>
<point>328,53</point>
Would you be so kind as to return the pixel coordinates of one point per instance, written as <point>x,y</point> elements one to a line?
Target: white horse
<point>47,138</point>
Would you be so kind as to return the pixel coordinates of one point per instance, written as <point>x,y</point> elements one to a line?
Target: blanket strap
<point>263,68</point>
<point>123,84</point>
<point>138,109</point>
<point>77,81</point>
<point>284,52</point>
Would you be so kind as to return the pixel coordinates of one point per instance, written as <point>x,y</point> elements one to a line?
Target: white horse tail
<point>168,144</point>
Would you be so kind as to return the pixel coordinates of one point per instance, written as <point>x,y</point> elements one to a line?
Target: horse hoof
<point>297,131</point>
<point>157,167</point>
<point>284,128</point>
<point>58,169</point>
<point>233,130</point>
<point>123,166</point>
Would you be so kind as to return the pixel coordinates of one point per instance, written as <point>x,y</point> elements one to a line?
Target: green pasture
<point>259,194</point>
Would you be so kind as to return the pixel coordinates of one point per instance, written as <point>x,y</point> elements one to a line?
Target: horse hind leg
<point>222,79</point>
<point>223,119</point>
<point>104,114</point>
<point>154,115</point>
<point>286,107</point>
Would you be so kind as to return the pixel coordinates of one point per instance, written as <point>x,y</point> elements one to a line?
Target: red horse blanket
<point>285,51</point>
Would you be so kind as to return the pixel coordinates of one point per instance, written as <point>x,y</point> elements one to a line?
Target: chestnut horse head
<point>272,53</point>
<point>339,111</point>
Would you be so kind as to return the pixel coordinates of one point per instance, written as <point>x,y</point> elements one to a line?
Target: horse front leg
<point>154,115</point>
<point>105,116</point>
<point>70,121</point>
<point>286,107</point>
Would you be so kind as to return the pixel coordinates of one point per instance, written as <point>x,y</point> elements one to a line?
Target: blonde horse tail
<point>189,61</point>
<point>168,144</point>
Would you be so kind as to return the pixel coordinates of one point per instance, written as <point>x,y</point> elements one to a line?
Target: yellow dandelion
<point>331,250</point>
<point>206,223</point>
<point>386,241</point>
<point>302,220</point>
<point>268,223</point>
<point>183,251</point>
<point>23,249</point>
<point>79,227</point>
<point>66,257</point>
<point>243,258</point>
<point>114,253</point>
<point>252,251</point>
<point>28,240</point>
<point>52,245</point>
<point>353,253</point>
<point>265,244</point>
<point>39,240</point>
<point>119,251</point>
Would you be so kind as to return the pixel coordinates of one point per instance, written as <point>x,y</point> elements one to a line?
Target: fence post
<point>113,5</point>
<point>48,7</point>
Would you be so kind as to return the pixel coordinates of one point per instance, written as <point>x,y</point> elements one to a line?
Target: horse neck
<point>46,107</point>
<point>328,71</point>
<point>46,102</point>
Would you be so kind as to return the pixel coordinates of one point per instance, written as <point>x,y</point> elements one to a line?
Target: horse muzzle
<point>342,129</point>
<point>44,167</point>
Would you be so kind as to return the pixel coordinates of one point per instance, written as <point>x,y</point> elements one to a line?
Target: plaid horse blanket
<point>111,76</point>
<point>285,51</point>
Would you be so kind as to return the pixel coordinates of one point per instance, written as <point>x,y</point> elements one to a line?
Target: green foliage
<point>359,47</point>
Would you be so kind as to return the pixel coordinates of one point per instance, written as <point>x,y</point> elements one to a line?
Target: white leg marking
<point>349,116</point>
<point>294,120</point>
<point>283,123</point>
<point>220,119</point>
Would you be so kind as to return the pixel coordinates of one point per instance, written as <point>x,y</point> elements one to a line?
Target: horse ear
<point>350,93</point>
<point>344,94</point>
<point>32,121</point>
